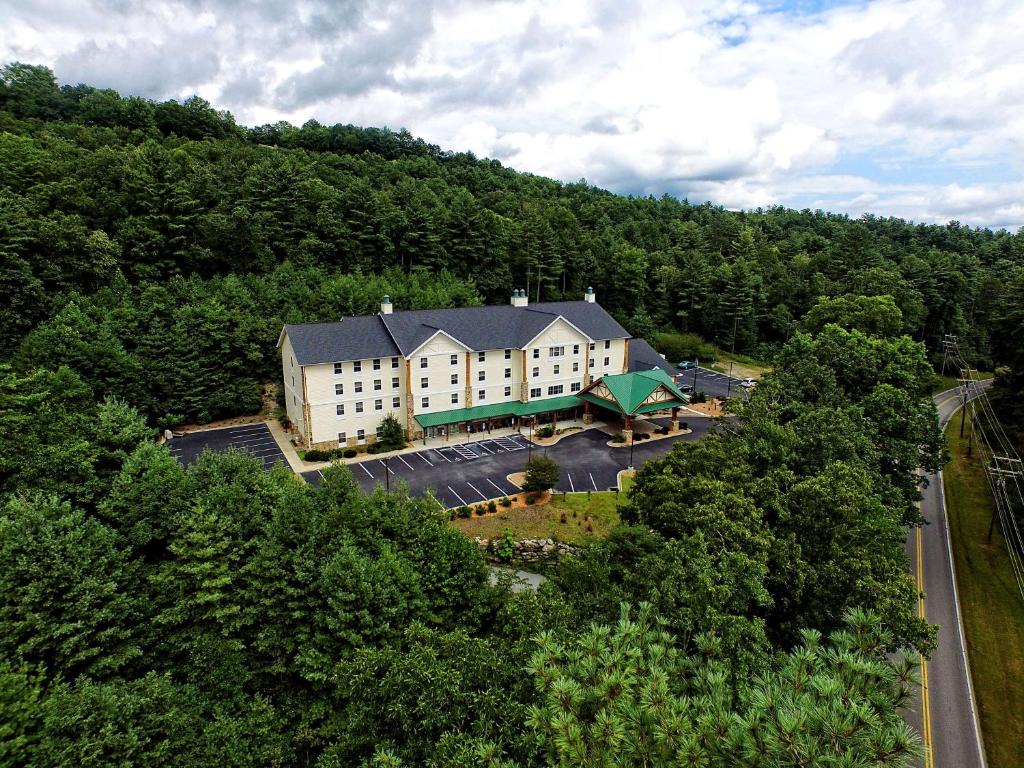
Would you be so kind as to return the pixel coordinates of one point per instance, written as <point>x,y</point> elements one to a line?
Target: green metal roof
<point>631,389</point>
<point>480,412</point>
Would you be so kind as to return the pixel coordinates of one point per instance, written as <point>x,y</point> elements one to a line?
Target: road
<point>945,711</point>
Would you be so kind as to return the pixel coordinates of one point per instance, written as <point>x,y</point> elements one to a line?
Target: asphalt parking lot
<point>251,438</point>
<point>711,383</point>
<point>473,472</point>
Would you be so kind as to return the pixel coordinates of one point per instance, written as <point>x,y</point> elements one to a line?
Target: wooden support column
<point>410,404</point>
<point>469,384</point>
<point>627,428</point>
<point>588,417</point>
<point>625,356</point>
<point>674,424</point>
<point>524,386</point>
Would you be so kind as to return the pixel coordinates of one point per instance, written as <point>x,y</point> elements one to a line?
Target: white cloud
<point>901,107</point>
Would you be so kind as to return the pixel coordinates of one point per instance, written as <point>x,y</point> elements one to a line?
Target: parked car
<point>685,365</point>
<point>686,388</point>
<point>748,383</point>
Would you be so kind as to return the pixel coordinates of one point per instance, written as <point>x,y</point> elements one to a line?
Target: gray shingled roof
<point>352,338</point>
<point>644,357</point>
<point>479,328</point>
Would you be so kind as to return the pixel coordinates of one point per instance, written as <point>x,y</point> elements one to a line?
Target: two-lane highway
<point>946,712</point>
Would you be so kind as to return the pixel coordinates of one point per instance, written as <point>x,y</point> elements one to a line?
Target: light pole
<point>632,439</point>
<point>529,447</point>
<point>387,475</point>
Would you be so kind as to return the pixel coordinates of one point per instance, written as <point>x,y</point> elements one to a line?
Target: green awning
<point>547,405</point>
<point>492,410</point>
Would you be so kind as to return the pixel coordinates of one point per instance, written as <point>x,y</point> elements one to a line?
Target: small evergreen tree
<point>542,473</point>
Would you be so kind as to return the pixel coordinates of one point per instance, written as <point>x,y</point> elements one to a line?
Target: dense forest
<point>753,609</point>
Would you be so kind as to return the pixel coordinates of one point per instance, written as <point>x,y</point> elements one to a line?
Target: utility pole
<point>965,382</point>
<point>632,439</point>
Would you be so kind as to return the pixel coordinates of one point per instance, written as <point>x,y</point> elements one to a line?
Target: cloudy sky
<point>912,108</point>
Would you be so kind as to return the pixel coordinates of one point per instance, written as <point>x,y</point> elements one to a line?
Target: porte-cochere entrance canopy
<point>634,394</point>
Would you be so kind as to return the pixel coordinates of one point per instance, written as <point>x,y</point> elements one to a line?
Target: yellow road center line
<point>926,710</point>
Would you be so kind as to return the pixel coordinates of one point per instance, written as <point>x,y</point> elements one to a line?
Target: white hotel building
<point>451,370</point>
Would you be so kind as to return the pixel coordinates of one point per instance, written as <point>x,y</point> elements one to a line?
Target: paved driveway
<point>711,383</point>
<point>474,472</point>
<point>251,438</point>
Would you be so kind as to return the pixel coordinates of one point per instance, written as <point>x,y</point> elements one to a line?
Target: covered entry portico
<point>498,416</point>
<point>635,394</point>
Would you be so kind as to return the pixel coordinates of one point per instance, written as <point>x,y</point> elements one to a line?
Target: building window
<point>378,405</point>
<point>575,367</point>
<point>508,391</point>
<point>293,381</point>
<point>295,400</point>
<point>291,361</point>
<point>425,402</point>
<point>481,375</point>
<point>359,406</point>
<point>357,366</point>
<point>394,382</point>
<point>481,395</point>
<point>556,370</point>
<point>591,362</point>
<point>358,386</point>
<point>556,351</point>
<point>607,344</point>
<point>396,402</point>
<point>342,438</point>
<point>455,398</point>
<point>424,382</point>
<point>606,361</point>
<point>376,364</point>
<point>361,436</point>
<point>423,362</point>
<point>575,387</point>
<point>508,373</point>
<point>481,356</point>
<point>536,354</point>
<point>575,349</point>
<point>340,409</point>
<point>337,369</point>
<point>339,389</point>
<point>455,378</point>
<point>376,385</point>
<point>556,389</point>
<point>591,346</point>
<point>536,372</point>
<point>377,432</point>
<point>508,354</point>
<point>394,362</point>
<point>455,359</point>
<point>535,392</point>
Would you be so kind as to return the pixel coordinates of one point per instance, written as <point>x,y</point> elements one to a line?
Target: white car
<point>748,383</point>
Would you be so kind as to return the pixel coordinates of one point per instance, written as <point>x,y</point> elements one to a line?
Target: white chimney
<point>519,298</point>
<point>385,306</point>
<point>589,296</point>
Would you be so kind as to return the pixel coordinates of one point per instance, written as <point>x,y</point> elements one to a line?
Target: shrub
<point>698,397</point>
<point>349,453</point>
<point>505,501</point>
<point>506,546</point>
<point>491,506</point>
<point>464,511</point>
<point>618,437</point>
<point>481,510</point>
<point>684,425</point>
<point>392,435</point>
<point>563,520</point>
<point>541,473</point>
<point>547,431</point>
<point>532,497</point>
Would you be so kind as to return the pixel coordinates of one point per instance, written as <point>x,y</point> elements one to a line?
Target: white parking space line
<point>592,480</point>
<point>457,495</point>
<point>496,487</point>
<point>573,487</point>
<point>422,456</point>
<point>389,469</point>
<point>244,430</point>
<point>442,455</point>
<point>405,462</point>
<point>477,490</point>
<point>484,448</point>
<point>368,473</point>
<point>263,451</point>
<point>257,439</point>
<point>321,475</point>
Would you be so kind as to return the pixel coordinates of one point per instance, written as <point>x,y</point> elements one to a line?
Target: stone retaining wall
<point>531,550</point>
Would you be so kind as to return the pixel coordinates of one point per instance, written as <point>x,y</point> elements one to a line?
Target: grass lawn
<point>544,521</point>
<point>743,367</point>
<point>993,612</point>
